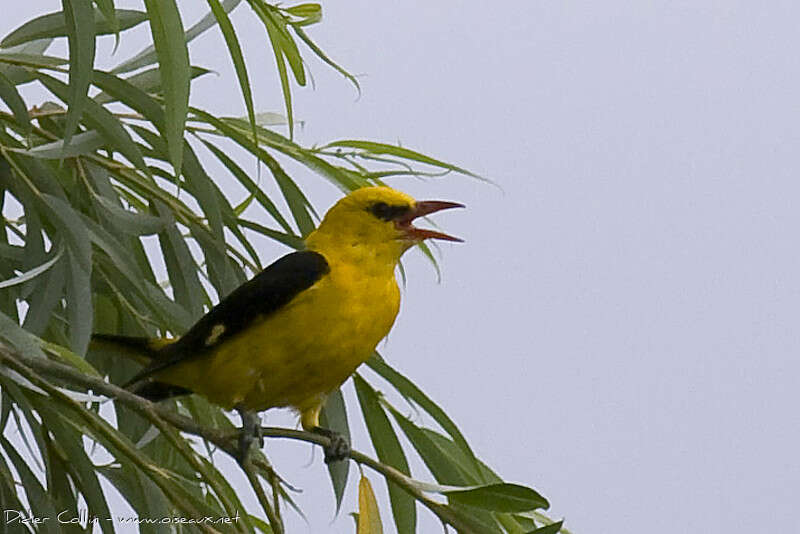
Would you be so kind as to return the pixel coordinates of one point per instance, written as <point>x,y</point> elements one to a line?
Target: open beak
<point>422,208</point>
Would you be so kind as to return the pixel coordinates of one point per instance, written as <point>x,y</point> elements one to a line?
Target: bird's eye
<point>380,210</point>
<point>385,212</point>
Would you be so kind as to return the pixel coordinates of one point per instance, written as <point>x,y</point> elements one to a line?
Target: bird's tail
<point>141,349</point>
<point>146,351</point>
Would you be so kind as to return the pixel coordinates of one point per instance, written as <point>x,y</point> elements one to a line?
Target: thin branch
<point>274,520</point>
<point>20,365</point>
<point>225,440</point>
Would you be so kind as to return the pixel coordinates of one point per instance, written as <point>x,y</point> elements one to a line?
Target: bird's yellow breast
<point>296,357</point>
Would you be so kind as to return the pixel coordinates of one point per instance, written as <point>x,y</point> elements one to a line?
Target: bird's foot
<point>338,449</point>
<point>251,432</point>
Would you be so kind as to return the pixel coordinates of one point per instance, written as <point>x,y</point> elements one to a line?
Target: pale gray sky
<point>619,329</point>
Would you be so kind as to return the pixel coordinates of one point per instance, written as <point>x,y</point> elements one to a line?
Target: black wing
<point>264,294</point>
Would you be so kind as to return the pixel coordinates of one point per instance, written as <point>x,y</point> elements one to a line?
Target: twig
<point>274,521</point>
<point>227,441</point>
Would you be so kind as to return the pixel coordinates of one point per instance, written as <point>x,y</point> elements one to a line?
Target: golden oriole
<point>298,329</point>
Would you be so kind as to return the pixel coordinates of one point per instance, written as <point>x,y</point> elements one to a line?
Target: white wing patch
<point>216,332</point>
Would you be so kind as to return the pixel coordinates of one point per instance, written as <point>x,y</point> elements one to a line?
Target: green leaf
<point>22,408</point>
<point>148,56</point>
<point>552,528</point>
<point>443,467</point>
<point>295,198</point>
<point>79,19</point>
<point>334,417</point>
<point>459,458</point>
<point>9,95</point>
<point>224,274</point>
<point>342,178</point>
<point>34,49</point>
<point>81,466</point>
<point>501,497</point>
<point>475,521</point>
<point>32,60</point>
<point>102,120</point>
<point>79,271</point>
<point>236,56</point>
<point>278,24</point>
<point>121,447</point>
<point>18,338</point>
<point>40,501</point>
<point>297,201</point>
<point>173,58</point>
<point>32,273</point>
<point>483,475</point>
<point>181,266</point>
<point>290,240</point>
<point>122,270</point>
<point>55,25</point>
<point>144,496</point>
<point>8,488</point>
<point>374,148</point>
<point>133,97</point>
<point>48,294</point>
<point>284,49</point>
<point>308,13</point>
<point>390,452</point>
<point>324,57</point>
<point>81,144</point>
<point>71,358</point>
<point>148,81</point>
<point>131,222</point>
<point>106,8</point>
<point>70,225</point>
<point>58,483</point>
<point>411,392</point>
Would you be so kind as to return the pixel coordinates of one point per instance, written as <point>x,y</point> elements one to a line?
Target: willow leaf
<point>41,502</point>
<point>389,452</point>
<point>32,273</point>
<point>371,147</point>
<point>99,118</point>
<point>552,528</point>
<point>410,391</point>
<point>55,25</point>
<point>81,144</point>
<point>173,58</point>
<point>324,57</point>
<point>79,19</point>
<point>148,56</point>
<point>80,464</point>
<point>334,417</point>
<point>500,497</point>
<point>149,81</point>
<point>9,95</point>
<point>235,51</point>
<point>369,517</point>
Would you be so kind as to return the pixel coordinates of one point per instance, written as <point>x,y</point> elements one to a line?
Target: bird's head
<point>379,219</point>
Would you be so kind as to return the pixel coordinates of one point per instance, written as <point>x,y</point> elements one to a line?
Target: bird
<point>297,330</point>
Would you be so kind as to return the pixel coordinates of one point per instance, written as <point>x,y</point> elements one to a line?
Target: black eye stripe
<point>385,212</point>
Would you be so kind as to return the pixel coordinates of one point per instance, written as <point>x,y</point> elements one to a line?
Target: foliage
<point>100,188</point>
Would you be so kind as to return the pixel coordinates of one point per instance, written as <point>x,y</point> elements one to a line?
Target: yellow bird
<point>296,331</point>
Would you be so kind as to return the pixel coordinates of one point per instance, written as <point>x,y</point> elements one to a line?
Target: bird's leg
<point>251,431</point>
<point>338,449</point>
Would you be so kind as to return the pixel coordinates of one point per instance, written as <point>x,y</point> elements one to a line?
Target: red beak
<point>422,208</point>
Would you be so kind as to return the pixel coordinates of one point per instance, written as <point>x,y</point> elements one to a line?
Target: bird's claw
<point>338,449</point>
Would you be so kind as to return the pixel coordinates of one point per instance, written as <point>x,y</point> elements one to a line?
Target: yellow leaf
<point>369,519</point>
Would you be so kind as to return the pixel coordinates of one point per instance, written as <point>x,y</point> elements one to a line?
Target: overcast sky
<point>620,328</point>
